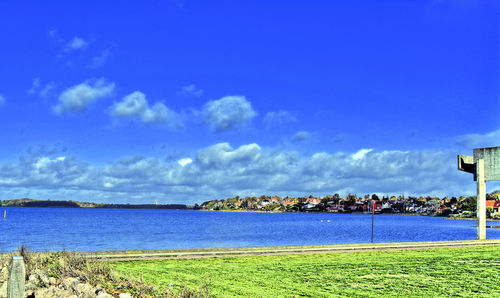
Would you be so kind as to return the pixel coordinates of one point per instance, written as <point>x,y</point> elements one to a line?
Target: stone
<point>53,291</point>
<point>104,295</point>
<point>42,292</point>
<point>86,290</point>
<point>125,295</point>
<point>52,280</point>
<point>33,279</point>
<point>70,282</point>
<point>43,277</point>
<point>31,286</point>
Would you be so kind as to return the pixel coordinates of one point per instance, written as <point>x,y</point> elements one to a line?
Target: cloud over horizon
<point>219,171</point>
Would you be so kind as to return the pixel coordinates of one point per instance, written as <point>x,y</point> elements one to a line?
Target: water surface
<point>44,229</point>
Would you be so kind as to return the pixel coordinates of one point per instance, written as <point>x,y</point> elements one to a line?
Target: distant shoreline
<point>30,203</point>
<point>128,207</point>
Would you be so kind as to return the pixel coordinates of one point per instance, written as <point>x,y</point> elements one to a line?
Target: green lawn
<point>460,271</point>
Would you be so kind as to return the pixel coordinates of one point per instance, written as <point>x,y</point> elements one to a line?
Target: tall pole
<point>373,218</point>
<point>481,200</point>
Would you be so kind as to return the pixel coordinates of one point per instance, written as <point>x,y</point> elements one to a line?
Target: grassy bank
<point>431,272</point>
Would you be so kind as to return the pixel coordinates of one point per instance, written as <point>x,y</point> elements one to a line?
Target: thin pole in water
<point>4,214</point>
<point>373,218</point>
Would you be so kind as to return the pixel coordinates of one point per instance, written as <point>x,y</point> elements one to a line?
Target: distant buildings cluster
<point>461,206</point>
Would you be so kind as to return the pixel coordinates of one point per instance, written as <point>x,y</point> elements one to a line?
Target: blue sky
<point>186,101</point>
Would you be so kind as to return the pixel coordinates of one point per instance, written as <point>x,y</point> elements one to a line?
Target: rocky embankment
<point>39,284</point>
<point>42,283</point>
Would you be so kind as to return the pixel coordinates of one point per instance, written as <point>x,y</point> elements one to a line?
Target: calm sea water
<point>44,229</point>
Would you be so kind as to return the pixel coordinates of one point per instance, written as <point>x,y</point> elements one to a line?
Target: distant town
<point>461,207</point>
<point>454,207</point>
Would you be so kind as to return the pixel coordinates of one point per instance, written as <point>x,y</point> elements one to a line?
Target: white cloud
<point>76,43</point>
<point>136,106</point>
<point>190,90</point>
<point>222,154</point>
<point>360,154</point>
<point>220,170</point>
<point>229,112</point>
<point>2,99</point>
<point>184,161</point>
<point>301,136</point>
<point>280,117</point>
<point>77,98</point>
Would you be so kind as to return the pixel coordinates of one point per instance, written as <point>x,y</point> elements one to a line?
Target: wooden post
<point>481,200</point>
<point>17,276</point>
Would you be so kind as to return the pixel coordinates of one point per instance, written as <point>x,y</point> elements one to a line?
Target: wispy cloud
<point>280,117</point>
<point>35,85</point>
<point>77,98</point>
<point>101,59</point>
<point>42,90</point>
<point>301,136</point>
<point>229,112</point>
<point>190,90</point>
<point>77,43</point>
<point>2,100</point>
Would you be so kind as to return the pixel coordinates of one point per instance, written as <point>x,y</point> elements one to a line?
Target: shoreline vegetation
<point>463,207</point>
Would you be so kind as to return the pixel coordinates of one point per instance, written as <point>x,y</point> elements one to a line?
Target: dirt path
<point>249,251</point>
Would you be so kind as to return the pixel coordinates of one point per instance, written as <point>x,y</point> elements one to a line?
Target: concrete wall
<point>491,158</point>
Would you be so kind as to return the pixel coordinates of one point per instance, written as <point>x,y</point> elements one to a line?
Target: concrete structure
<point>485,165</point>
<point>17,276</point>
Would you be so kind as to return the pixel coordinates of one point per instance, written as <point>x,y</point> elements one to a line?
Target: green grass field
<point>462,271</point>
